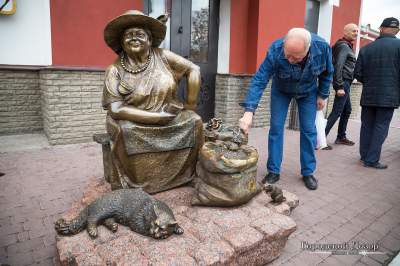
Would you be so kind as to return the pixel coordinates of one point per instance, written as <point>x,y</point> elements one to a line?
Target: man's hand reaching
<point>246,121</point>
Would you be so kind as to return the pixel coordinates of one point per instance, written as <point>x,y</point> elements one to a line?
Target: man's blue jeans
<point>307,111</point>
<point>341,108</point>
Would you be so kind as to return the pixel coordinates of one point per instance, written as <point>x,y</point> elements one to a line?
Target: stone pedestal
<point>252,234</point>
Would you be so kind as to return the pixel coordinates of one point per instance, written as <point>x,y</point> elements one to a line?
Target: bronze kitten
<point>275,193</point>
<point>131,207</point>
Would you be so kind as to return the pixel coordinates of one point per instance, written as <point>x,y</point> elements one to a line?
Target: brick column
<point>71,105</point>
<point>20,110</point>
<point>230,90</point>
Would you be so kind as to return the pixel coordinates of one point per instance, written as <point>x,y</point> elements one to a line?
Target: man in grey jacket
<point>378,69</point>
<point>344,61</point>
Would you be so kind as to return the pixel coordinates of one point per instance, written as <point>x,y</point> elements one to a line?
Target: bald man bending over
<point>344,61</point>
<point>300,66</point>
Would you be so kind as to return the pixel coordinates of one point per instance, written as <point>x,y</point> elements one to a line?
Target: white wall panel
<point>325,19</point>
<point>25,37</point>
<point>224,36</point>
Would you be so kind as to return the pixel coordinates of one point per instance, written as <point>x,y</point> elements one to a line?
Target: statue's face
<point>135,40</point>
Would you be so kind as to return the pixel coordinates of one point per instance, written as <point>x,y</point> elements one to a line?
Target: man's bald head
<point>350,32</point>
<point>296,44</point>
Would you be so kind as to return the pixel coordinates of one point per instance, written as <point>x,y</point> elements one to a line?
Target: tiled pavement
<point>352,202</point>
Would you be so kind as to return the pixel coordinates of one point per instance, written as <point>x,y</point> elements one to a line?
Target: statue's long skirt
<point>156,158</point>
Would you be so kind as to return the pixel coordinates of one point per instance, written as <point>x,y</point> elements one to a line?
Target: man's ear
<point>163,18</point>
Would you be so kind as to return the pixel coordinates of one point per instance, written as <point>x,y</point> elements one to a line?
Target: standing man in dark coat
<point>344,61</point>
<point>378,69</point>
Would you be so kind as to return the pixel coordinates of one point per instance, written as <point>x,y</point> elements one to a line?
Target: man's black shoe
<point>344,141</point>
<point>271,178</point>
<point>378,165</point>
<point>310,182</point>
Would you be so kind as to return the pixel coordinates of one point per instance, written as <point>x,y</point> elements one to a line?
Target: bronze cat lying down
<point>131,207</point>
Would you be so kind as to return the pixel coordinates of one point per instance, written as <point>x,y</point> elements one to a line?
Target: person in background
<point>300,66</point>
<point>378,69</point>
<point>344,61</point>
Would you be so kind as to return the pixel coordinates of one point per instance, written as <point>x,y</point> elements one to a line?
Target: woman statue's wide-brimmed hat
<point>132,18</point>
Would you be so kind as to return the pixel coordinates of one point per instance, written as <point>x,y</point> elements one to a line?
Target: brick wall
<point>66,104</point>
<point>71,105</point>
<point>20,110</point>
<point>231,89</point>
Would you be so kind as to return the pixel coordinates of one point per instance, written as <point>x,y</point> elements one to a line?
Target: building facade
<point>367,35</point>
<point>53,58</point>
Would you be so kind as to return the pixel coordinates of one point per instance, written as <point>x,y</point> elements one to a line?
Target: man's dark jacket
<point>344,61</point>
<point>378,69</point>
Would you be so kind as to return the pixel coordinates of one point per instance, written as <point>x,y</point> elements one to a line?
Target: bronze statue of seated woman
<point>155,139</point>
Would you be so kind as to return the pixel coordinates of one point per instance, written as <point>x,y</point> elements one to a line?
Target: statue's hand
<point>174,108</point>
<point>165,118</point>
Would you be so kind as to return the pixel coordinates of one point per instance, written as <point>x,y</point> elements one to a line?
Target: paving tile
<point>363,220</point>
<point>330,239</point>
<point>348,259</point>
<point>379,208</point>
<point>49,239</point>
<point>330,261</point>
<point>368,236</point>
<point>390,243</point>
<point>324,228</point>
<point>25,259</point>
<point>381,258</point>
<point>347,213</point>
<point>25,246</point>
<point>395,232</point>
<point>3,253</point>
<point>370,262</point>
<point>44,253</point>
<point>8,229</point>
<point>358,263</point>
<point>47,262</point>
<point>381,228</point>
<point>7,240</point>
<point>343,234</point>
<point>312,235</point>
<point>305,258</point>
<point>353,229</point>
